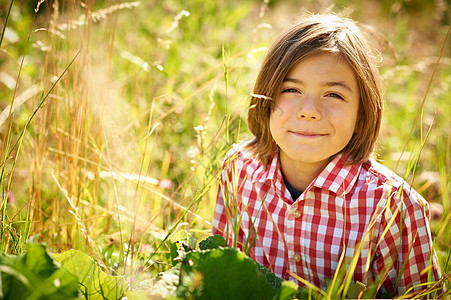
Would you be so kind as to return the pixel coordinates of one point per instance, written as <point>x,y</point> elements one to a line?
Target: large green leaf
<point>271,278</point>
<point>94,283</point>
<point>212,242</point>
<point>227,273</point>
<point>35,275</point>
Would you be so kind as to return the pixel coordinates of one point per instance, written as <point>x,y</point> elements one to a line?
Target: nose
<point>309,109</point>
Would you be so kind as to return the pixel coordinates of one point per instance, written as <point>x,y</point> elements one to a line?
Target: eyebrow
<point>331,83</point>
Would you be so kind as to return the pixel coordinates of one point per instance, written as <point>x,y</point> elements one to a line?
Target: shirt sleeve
<point>404,255</point>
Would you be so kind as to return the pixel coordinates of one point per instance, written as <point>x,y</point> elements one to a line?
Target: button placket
<point>296,255</point>
<point>296,213</point>
<point>289,238</point>
<point>305,239</point>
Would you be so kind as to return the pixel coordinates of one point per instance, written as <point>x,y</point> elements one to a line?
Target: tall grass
<point>126,148</point>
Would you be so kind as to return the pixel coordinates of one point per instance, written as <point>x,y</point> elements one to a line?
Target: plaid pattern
<point>348,209</point>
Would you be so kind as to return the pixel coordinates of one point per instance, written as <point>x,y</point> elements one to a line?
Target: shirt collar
<point>263,174</point>
<point>338,177</point>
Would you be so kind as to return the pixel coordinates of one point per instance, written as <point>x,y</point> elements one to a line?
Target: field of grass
<point>116,115</point>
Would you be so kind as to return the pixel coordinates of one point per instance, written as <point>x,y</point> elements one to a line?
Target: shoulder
<point>375,170</point>
<point>241,157</point>
<point>380,178</point>
<point>238,152</point>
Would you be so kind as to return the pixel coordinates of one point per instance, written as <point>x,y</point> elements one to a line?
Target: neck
<point>300,174</point>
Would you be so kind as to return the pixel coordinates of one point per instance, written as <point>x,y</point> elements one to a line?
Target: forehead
<point>323,68</point>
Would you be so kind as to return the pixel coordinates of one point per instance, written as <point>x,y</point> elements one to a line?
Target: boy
<point>304,196</point>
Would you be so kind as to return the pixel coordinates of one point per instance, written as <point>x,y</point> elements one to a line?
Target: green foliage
<point>212,242</point>
<point>216,260</point>
<point>38,275</point>
<point>218,272</point>
<point>35,275</point>
<point>271,278</point>
<point>226,273</point>
<point>94,283</point>
<point>353,290</point>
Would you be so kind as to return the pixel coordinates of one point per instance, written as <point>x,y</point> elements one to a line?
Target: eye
<point>290,90</point>
<point>335,95</point>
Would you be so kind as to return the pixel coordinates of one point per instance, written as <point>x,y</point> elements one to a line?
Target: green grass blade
<point>6,22</point>
<point>41,102</point>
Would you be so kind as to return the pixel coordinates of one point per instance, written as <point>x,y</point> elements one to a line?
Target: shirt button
<point>297,258</point>
<point>296,213</point>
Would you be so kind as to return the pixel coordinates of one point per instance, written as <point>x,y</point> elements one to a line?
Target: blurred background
<point>115,115</point>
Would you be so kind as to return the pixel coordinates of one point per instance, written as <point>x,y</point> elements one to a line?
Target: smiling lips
<point>308,134</point>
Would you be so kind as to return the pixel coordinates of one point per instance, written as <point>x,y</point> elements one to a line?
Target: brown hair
<point>312,35</point>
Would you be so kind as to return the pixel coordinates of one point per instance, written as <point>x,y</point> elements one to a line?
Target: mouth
<point>308,134</point>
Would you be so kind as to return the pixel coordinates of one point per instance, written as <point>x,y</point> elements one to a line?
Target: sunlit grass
<point>126,147</point>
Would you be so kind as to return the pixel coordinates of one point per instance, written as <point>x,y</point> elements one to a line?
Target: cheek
<point>278,115</point>
<point>350,127</point>
<point>278,111</point>
<point>272,121</point>
<point>281,108</point>
<point>275,123</point>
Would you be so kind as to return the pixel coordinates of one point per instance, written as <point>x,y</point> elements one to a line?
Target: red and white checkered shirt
<point>346,209</point>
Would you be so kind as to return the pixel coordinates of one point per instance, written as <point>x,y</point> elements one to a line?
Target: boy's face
<point>316,111</point>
